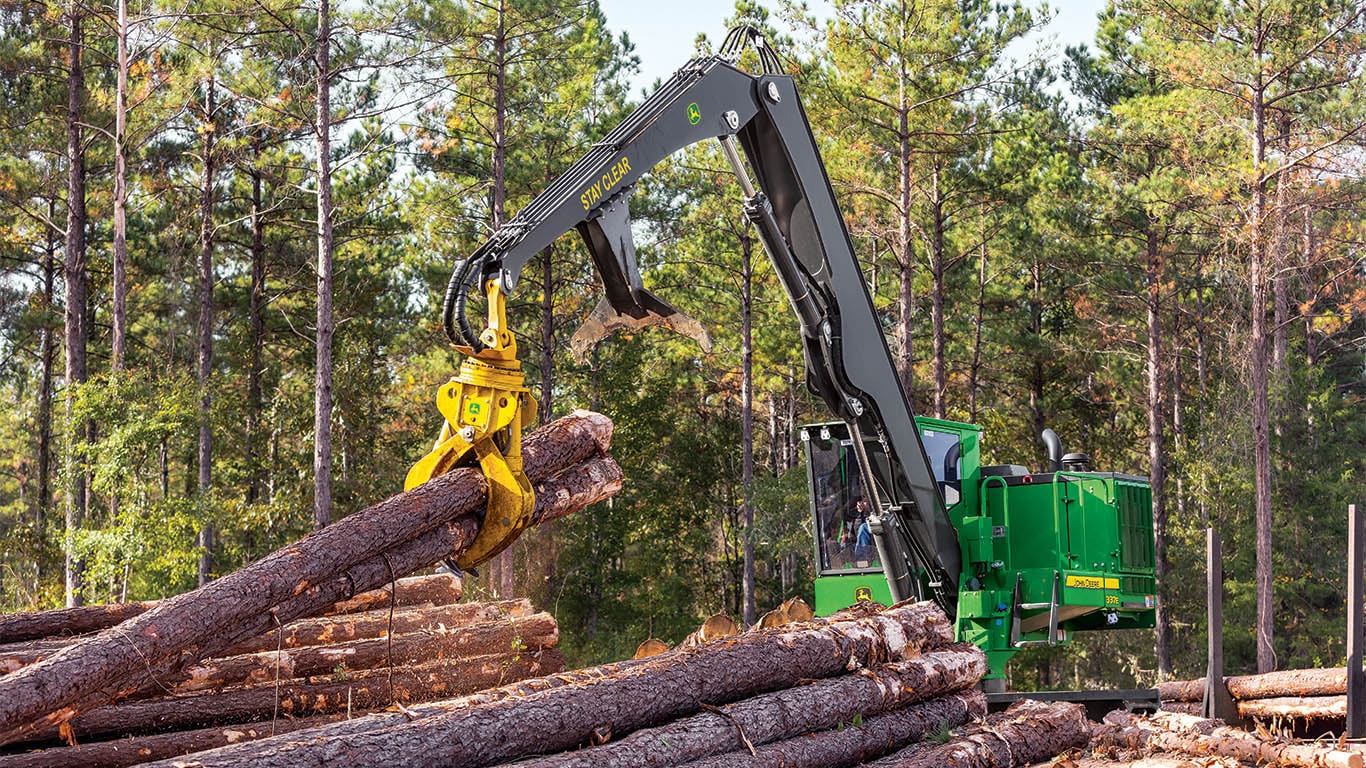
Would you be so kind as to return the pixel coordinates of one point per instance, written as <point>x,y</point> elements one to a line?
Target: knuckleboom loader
<point>1016,558</point>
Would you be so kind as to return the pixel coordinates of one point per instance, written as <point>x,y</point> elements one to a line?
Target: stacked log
<point>224,654</point>
<point>1126,735</point>
<point>826,692</point>
<point>1292,694</point>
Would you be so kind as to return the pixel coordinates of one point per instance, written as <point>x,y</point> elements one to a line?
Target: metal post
<point>1356,676</point>
<point>1217,702</point>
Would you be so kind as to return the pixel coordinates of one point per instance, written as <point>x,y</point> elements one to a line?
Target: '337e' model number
<point>610,178</point>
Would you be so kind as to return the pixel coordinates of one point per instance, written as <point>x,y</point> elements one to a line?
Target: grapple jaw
<point>486,405</point>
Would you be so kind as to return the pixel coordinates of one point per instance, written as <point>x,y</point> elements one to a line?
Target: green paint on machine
<point>1045,554</point>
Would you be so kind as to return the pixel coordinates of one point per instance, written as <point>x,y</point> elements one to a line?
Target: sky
<point>663,32</point>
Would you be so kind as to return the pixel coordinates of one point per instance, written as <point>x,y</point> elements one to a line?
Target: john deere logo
<point>863,594</point>
<point>694,114</point>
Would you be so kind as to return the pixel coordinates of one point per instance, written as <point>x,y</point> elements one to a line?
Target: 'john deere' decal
<point>694,114</point>
<point>863,594</point>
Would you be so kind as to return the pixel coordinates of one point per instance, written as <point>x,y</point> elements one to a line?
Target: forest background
<point>225,226</point>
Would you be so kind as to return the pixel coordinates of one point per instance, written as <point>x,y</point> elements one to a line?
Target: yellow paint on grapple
<point>487,405</point>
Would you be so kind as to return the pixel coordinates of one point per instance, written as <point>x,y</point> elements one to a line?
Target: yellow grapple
<point>487,405</point>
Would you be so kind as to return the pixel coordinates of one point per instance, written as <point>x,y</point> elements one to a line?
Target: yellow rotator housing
<point>486,407</point>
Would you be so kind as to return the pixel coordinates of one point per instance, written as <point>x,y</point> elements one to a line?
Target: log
<point>213,616</point>
<point>1331,681</point>
<point>1295,707</point>
<point>717,627</point>
<point>859,740</point>
<point>786,714</point>
<point>1027,731</point>
<point>325,630</point>
<point>17,655</point>
<point>363,690</point>
<point>18,627</point>
<point>646,693</point>
<point>1156,761</point>
<point>652,647</point>
<point>1290,682</point>
<point>434,589</point>
<point>1183,707</point>
<point>140,749</point>
<point>532,633</point>
<point>1181,690</point>
<point>1196,736</point>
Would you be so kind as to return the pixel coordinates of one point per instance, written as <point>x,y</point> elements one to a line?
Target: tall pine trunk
<point>256,323</point>
<point>503,571</point>
<point>119,341</point>
<point>75,310</point>
<point>47,359</point>
<point>204,356</point>
<point>747,420</point>
<point>938,268</point>
<point>978,321</point>
<point>1261,416</point>
<point>905,299</point>
<point>322,388</point>
<point>1157,468</point>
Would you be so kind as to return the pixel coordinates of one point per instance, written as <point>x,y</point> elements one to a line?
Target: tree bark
<point>378,623</point>
<point>257,325</point>
<point>905,257</point>
<point>858,741</point>
<point>938,270</point>
<point>18,655</point>
<point>303,577</point>
<point>748,609</point>
<point>119,342</point>
<point>532,633</point>
<point>786,714</point>
<point>48,357</point>
<point>1196,736</point>
<point>651,691</point>
<point>18,627</point>
<point>366,689</point>
<point>204,358</point>
<point>322,386</point>
<point>133,751</point>
<point>1157,457</point>
<point>1290,682</point>
<point>436,589</point>
<point>73,273</point>
<point>1028,731</point>
<point>1295,707</point>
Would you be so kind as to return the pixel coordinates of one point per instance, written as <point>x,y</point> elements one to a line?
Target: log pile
<point>1172,736</point>
<point>838,691</point>
<point>1292,694</point>
<point>230,652</point>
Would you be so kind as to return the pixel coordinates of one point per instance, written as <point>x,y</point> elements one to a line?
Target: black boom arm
<point>796,215</point>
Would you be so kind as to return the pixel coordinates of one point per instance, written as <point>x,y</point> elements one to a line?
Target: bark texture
<point>364,690</point>
<point>132,751</point>
<point>18,627</point>
<point>436,589</point>
<point>855,743</point>
<point>1295,707</point>
<point>1330,681</point>
<point>377,623</point>
<point>227,610</point>
<point>533,633</point>
<point>647,693</point>
<point>787,713</point>
<point>1197,736</point>
<point>1028,731</point>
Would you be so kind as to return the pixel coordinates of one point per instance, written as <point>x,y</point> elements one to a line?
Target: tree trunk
<point>367,689</point>
<point>533,633</point>
<point>938,269</point>
<point>73,273</point>
<point>1157,459</point>
<point>133,751</point>
<point>786,714</point>
<point>322,388</point>
<point>905,258</point>
<point>257,325</point>
<point>303,577</point>
<point>324,630</point>
<point>978,320</point>
<point>48,358</point>
<point>1295,708</point>
<point>1028,731</point>
<point>651,691</point>
<point>204,359</point>
<point>119,342</point>
<point>748,609</point>
<point>858,739</point>
<point>1289,682</point>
